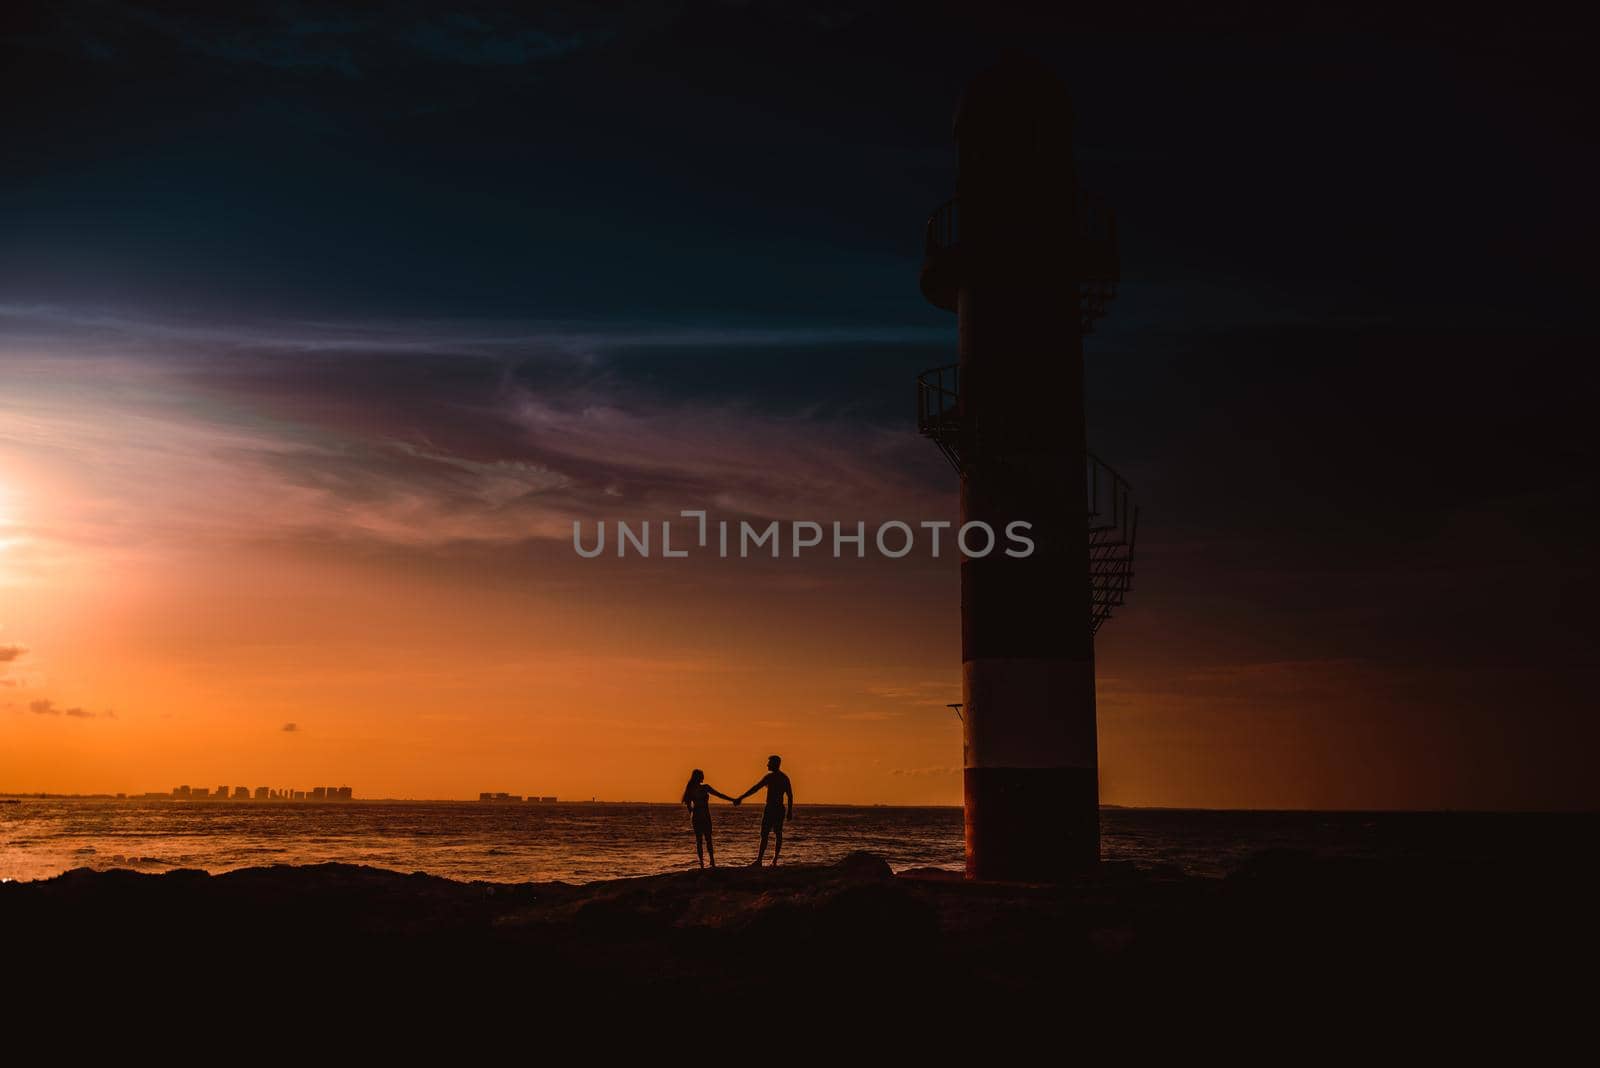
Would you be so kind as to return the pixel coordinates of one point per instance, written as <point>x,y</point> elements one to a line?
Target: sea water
<point>520,842</point>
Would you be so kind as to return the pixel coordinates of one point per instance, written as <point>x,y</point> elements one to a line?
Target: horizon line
<point>1153,807</point>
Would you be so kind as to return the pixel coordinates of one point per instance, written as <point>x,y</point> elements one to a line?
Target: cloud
<point>272,39</point>
<point>47,707</point>
<point>429,435</point>
<point>10,654</point>
<point>1282,684</point>
<point>922,695</point>
<point>291,728</point>
<point>472,42</point>
<point>347,42</point>
<point>1277,672</point>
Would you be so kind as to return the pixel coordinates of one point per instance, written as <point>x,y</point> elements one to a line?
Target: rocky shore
<point>841,938</point>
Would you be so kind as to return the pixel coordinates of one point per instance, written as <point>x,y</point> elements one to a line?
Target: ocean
<point>510,842</point>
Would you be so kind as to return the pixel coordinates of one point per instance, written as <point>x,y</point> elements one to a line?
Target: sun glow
<point>6,539</point>
<point>10,536</point>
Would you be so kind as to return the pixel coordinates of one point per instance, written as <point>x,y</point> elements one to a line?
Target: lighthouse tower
<point>1027,262</point>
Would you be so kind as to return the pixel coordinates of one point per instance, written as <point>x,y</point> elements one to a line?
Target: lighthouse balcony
<point>1094,246</point>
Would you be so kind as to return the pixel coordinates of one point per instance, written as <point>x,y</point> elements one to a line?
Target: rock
<point>864,865</point>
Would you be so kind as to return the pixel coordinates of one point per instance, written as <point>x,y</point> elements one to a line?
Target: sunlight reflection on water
<point>581,842</point>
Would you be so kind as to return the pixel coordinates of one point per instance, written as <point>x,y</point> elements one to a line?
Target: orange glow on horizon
<point>184,574</point>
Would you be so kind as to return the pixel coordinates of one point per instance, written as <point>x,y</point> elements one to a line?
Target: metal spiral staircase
<point>1112,516</point>
<point>1113,533</point>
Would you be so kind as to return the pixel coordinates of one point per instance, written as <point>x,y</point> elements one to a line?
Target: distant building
<point>241,793</point>
<point>262,793</point>
<point>541,800</point>
<point>181,792</point>
<point>222,791</point>
<point>345,793</point>
<point>319,793</point>
<point>299,795</point>
<point>501,796</point>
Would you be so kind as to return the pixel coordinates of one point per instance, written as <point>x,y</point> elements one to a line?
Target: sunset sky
<point>318,331</point>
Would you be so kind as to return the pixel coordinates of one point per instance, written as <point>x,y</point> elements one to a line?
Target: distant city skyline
<point>261,793</point>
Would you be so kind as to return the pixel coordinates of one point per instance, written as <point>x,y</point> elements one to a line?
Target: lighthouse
<point>1028,262</point>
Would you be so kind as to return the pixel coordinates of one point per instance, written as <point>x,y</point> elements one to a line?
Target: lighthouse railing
<point>938,410</point>
<point>1099,266</point>
<point>1113,536</point>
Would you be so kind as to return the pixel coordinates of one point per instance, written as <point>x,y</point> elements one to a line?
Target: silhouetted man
<point>778,788</point>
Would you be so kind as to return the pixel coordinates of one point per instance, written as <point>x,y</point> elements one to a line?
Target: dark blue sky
<point>770,160</point>
<point>1350,369</point>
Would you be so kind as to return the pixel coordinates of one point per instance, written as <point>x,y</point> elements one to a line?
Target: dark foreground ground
<point>1339,945</point>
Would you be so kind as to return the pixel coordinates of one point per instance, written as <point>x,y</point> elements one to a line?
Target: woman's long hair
<point>695,777</point>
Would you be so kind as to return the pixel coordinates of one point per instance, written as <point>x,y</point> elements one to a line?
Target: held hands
<point>736,801</point>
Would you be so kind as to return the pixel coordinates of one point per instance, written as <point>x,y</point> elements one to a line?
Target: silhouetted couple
<point>780,807</point>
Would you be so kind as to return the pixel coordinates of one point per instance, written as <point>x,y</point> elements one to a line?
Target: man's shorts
<point>772,819</point>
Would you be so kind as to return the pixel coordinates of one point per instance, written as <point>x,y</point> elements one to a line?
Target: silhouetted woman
<point>697,798</point>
